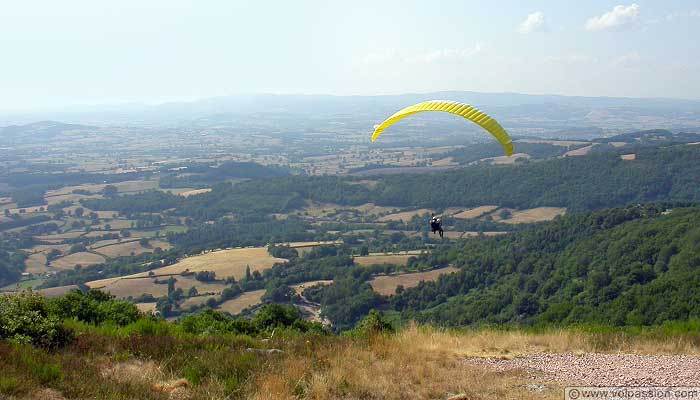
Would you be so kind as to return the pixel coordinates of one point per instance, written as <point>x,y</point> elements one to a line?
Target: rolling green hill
<point>638,265</point>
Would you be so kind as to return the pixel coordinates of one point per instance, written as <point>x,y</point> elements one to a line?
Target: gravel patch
<point>596,369</point>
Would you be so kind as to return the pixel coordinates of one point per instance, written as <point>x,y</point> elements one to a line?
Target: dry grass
<point>628,157</point>
<point>82,258</point>
<point>404,216</point>
<point>240,303</point>
<point>128,248</point>
<point>427,363</point>
<point>475,212</point>
<point>403,366</point>
<point>387,284</point>
<point>538,214</point>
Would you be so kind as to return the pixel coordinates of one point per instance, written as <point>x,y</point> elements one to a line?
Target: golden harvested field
<point>299,287</point>
<point>107,215</point>
<point>629,157</point>
<point>225,263</point>
<point>240,303</point>
<point>45,248</point>
<point>618,144</point>
<point>373,209</point>
<point>386,284</point>
<point>404,216</point>
<point>475,212</point>
<point>194,192</point>
<point>36,263</point>
<point>69,197</point>
<point>444,162</point>
<point>476,234</point>
<point>116,224</point>
<point>538,214</point>
<point>82,258</point>
<point>61,236</point>
<point>57,291</point>
<point>127,248</point>
<point>196,301</point>
<point>579,152</point>
<point>93,234</point>
<point>146,307</point>
<point>122,187</point>
<point>123,288</point>
<point>373,259</point>
<point>453,234</point>
<point>295,245</point>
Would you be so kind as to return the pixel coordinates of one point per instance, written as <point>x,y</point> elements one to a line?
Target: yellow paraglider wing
<point>456,108</point>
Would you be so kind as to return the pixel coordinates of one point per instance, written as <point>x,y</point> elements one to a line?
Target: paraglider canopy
<point>453,107</point>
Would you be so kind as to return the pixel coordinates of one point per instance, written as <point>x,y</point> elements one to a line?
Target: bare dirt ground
<point>597,369</point>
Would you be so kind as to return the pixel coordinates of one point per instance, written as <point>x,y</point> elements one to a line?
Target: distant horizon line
<point>75,107</point>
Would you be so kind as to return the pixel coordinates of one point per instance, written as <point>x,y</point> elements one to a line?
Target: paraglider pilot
<point>436,225</point>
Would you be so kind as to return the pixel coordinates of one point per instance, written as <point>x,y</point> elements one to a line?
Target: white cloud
<point>446,55</point>
<point>627,60</point>
<point>534,22</point>
<point>389,56</point>
<point>573,59</point>
<point>619,17</point>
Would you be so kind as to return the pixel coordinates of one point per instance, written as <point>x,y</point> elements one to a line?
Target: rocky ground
<point>596,369</point>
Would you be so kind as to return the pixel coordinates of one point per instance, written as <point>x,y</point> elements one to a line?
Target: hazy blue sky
<point>55,53</point>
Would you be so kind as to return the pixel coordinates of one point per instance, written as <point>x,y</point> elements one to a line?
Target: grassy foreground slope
<point>91,346</point>
<point>637,265</point>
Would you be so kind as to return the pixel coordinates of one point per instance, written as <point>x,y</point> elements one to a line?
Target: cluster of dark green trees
<point>29,318</point>
<point>592,182</point>
<point>206,174</point>
<point>636,265</point>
